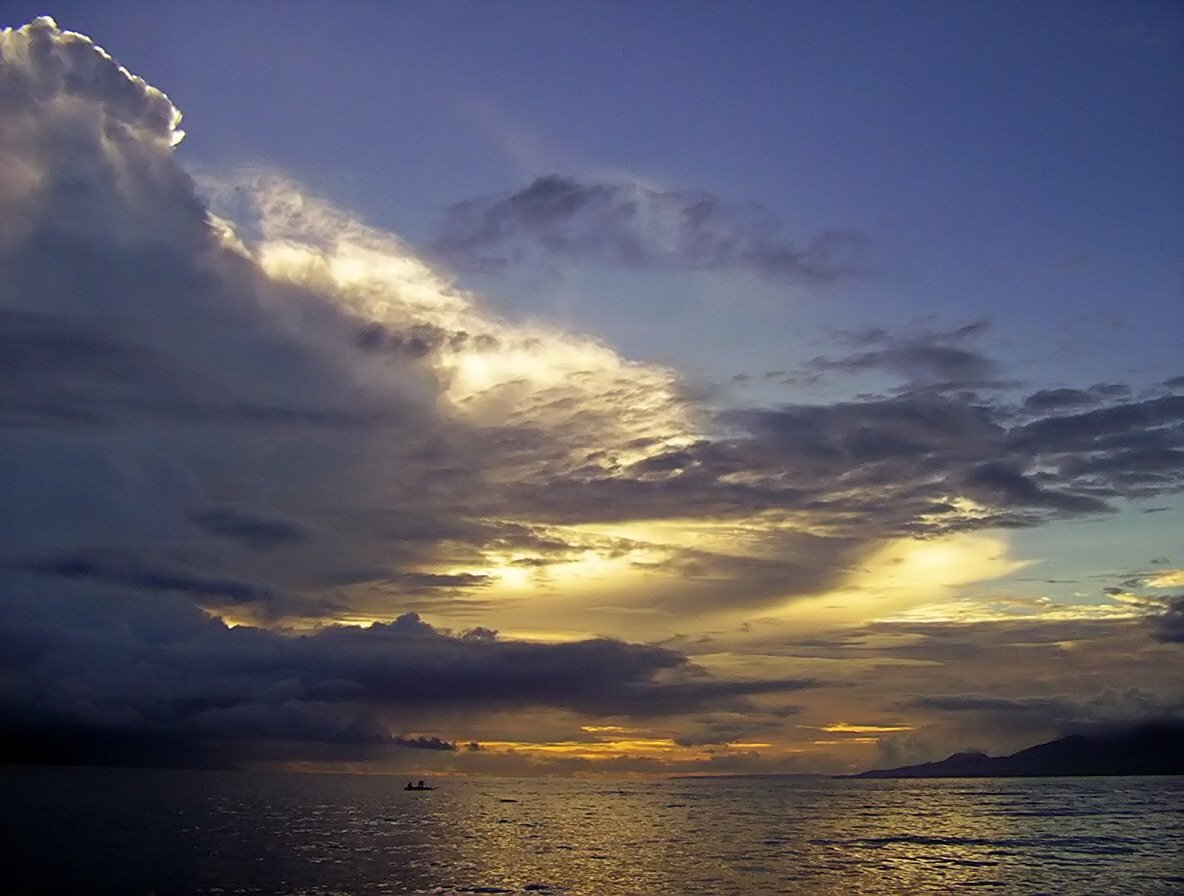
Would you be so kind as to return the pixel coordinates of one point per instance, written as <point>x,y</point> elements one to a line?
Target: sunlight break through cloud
<point>491,371</point>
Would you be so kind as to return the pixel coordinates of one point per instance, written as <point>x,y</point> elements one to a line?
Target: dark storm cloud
<point>134,574</point>
<point>55,372</point>
<point>178,688</point>
<point>260,533</point>
<point>61,370</point>
<point>272,415</point>
<point>637,227</point>
<point>427,667</point>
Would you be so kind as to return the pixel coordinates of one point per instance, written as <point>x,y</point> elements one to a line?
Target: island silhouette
<point>1151,749</point>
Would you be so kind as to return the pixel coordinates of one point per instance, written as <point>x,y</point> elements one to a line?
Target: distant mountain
<point>1148,750</point>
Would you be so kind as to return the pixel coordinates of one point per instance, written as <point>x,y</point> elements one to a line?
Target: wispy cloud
<point>634,226</point>
<point>926,358</point>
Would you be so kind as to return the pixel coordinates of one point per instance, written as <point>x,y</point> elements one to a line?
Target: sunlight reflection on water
<point>129,831</point>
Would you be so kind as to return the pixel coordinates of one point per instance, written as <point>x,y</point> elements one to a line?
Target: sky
<point>569,388</point>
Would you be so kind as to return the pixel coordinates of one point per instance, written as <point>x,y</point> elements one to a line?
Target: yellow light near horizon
<point>599,749</point>
<point>657,748</point>
<point>967,611</point>
<point>543,636</point>
<point>843,727</point>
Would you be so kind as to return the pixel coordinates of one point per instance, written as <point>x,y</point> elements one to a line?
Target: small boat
<point>419,786</point>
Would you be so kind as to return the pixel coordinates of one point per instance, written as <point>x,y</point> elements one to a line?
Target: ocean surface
<point>129,831</point>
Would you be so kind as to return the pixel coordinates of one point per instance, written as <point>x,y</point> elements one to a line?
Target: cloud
<point>260,533</point>
<point>1169,625</point>
<point>1168,578</point>
<point>290,420</point>
<point>181,392</point>
<point>44,64</point>
<point>137,575</point>
<point>1102,428</point>
<point>424,743</point>
<point>1046,400</point>
<point>1063,712</point>
<point>87,673</point>
<point>721,730</point>
<point>913,462</point>
<point>1004,483</point>
<point>427,582</point>
<point>1164,612</point>
<point>183,361</point>
<point>997,684</point>
<point>115,570</point>
<point>633,226</point>
<point>916,447</point>
<point>928,358</point>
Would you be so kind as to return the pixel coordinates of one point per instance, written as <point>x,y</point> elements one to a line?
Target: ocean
<point>132,831</point>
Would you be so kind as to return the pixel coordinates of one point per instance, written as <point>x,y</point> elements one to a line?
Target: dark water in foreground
<point>165,832</point>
